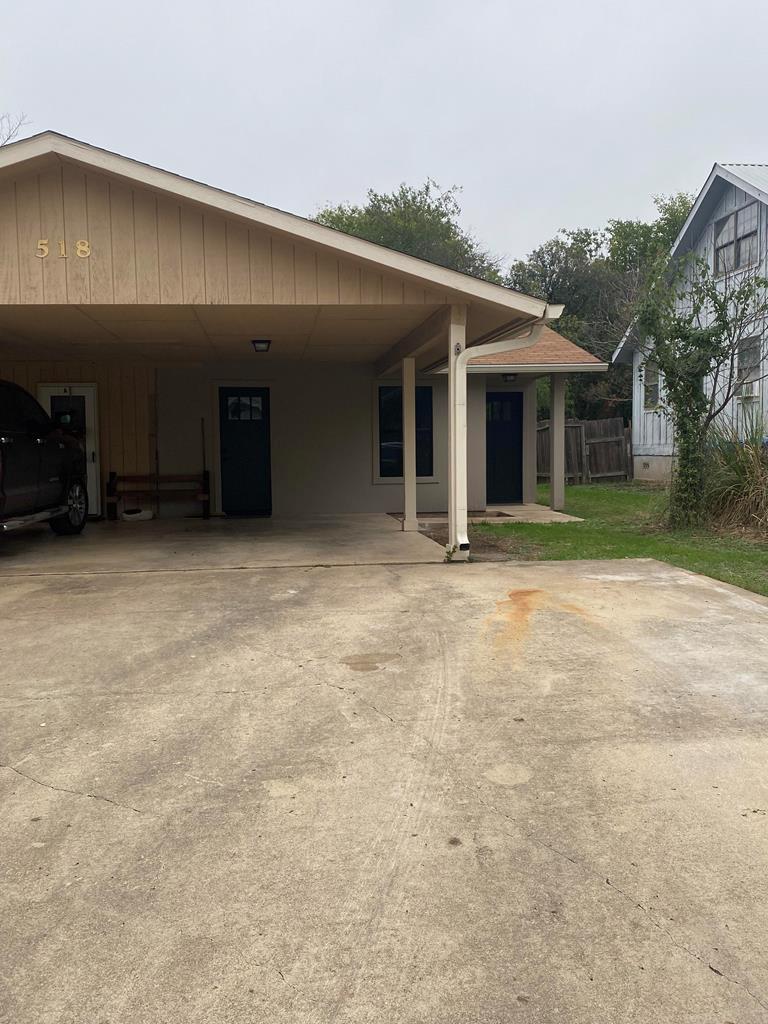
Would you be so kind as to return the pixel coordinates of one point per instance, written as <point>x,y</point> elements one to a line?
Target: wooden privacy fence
<point>594,450</point>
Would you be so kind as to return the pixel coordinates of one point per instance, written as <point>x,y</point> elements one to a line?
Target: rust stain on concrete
<point>512,618</point>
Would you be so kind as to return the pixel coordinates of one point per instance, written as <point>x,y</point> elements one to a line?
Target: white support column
<point>410,521</point>
<point>529,442</point>
<point>457,547</point>
<point>557,441</point>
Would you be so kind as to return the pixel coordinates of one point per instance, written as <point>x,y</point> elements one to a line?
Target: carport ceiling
<point>192,333</point>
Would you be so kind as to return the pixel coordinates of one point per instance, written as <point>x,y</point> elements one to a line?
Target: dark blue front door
<point>503,447</point>
<point>246,479</point>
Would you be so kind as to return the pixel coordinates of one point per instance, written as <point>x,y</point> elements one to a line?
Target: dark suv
<point>42,467</point>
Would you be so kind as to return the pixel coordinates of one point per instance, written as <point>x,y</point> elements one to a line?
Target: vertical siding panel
<point>192,264</point>
<point>169,251</point>
<point>28,223</point>
<point>52,226</point>
<point>371,288</point>
<point>9,248</point>
<point>238,264</point>
<point>349,283</point>
<point>103,408</point>
<point>435,298</point>
<point>413,294</point>
<point>114,450</point>
<point>128,390</point>
<point>145,229</point>
<point>141,377</point>
<point>392,290</point>
<point>21,375</point>
<point>283,271</point>
<point>123,245</point>
<point>100,237</point>
<point>327,279</point>
<point>260,245</point>
<point>215,249</point>
<point>76,229</point>
<point>305,262</point>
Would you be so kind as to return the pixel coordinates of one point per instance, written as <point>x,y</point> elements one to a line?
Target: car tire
<point>77,511</point>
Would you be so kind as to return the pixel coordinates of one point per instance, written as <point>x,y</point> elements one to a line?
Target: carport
<point>176,544</point>
<point>307,371</point>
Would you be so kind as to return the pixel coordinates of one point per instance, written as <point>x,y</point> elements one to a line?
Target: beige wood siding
<point>149,248</point>
<point>126,406</point>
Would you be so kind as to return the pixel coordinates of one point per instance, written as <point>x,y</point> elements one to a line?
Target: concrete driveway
<point>435,794</point>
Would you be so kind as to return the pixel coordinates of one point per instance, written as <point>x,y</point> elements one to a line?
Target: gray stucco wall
<point>322,435</point>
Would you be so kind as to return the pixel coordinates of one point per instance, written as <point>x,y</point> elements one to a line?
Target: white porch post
<point>557,441</point>
<point>458,540</point>
<point>410,521</point>
<point>529,442</point>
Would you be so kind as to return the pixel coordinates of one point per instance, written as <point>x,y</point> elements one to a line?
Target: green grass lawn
<point>621,521</point>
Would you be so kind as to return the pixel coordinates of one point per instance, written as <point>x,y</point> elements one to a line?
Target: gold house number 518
<point>82,248</point>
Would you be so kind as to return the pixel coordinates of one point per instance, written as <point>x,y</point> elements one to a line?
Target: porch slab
<point>524,513</point>
<point>185,544</point>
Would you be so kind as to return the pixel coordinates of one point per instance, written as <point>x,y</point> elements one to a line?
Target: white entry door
<point>78,402</point>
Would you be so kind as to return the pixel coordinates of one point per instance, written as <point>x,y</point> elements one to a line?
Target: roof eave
<point>531,368</point>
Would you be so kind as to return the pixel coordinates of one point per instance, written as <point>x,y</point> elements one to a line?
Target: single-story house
<point>308,371</point>
<point>727,227</point>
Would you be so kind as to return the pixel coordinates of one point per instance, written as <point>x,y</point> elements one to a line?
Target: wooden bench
<point>155,487</point>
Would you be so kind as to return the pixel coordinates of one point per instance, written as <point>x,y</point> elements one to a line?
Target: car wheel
<point>77,510</point>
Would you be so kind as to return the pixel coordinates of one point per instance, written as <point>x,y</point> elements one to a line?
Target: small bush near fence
<point>595,450</point>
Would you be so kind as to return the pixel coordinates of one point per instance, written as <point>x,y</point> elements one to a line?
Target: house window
<point>390,440</point>
<point>650,387</point>
<point>736,240</point>
<point>748,367</point>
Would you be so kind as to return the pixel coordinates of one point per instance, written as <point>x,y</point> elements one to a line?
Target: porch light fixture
<point>509,378</point>
<point>261,344</point>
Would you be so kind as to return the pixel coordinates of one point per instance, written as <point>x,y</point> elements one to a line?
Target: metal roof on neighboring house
<point>752,174</point>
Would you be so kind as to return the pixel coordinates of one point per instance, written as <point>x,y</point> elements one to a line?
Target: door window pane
<point>239,407</point>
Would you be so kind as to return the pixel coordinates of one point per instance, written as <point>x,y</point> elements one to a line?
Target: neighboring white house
<point>727,226</point>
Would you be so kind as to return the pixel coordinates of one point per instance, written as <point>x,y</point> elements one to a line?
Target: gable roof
<point>750,178</point>
<point>462,286</point>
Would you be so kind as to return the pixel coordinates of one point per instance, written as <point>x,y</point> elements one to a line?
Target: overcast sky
<point>548,114</point>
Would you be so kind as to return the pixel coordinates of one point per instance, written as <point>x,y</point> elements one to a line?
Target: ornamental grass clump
<point>736,476</point>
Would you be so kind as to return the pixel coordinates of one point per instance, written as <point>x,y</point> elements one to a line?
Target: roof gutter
<point>505,339</point>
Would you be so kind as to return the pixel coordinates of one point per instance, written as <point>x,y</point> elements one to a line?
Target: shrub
<point>736,475</point>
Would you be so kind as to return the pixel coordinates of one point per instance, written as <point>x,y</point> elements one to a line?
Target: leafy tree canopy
<point>600,275</point>
<point>420,220</point>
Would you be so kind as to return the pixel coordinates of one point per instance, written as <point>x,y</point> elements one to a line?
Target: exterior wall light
<point>509,378</point>
<point>261,344</point>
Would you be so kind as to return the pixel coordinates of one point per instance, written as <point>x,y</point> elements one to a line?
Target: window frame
<point>377,477</point>
<point>646,406</point>
<point>754,393</point>
<point>735,215</point>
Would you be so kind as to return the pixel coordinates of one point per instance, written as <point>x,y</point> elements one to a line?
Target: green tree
<point>695,327</point>
<point>600,275</point>
<point>422,221</point>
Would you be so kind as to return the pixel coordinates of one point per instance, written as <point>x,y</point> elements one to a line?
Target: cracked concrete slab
<point>478,793</point>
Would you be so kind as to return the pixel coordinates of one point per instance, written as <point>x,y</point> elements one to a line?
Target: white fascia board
<point>538,368</point>
<point>270,218</point>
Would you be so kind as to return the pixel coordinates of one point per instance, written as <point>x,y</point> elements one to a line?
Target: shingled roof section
<point>552,349</point>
